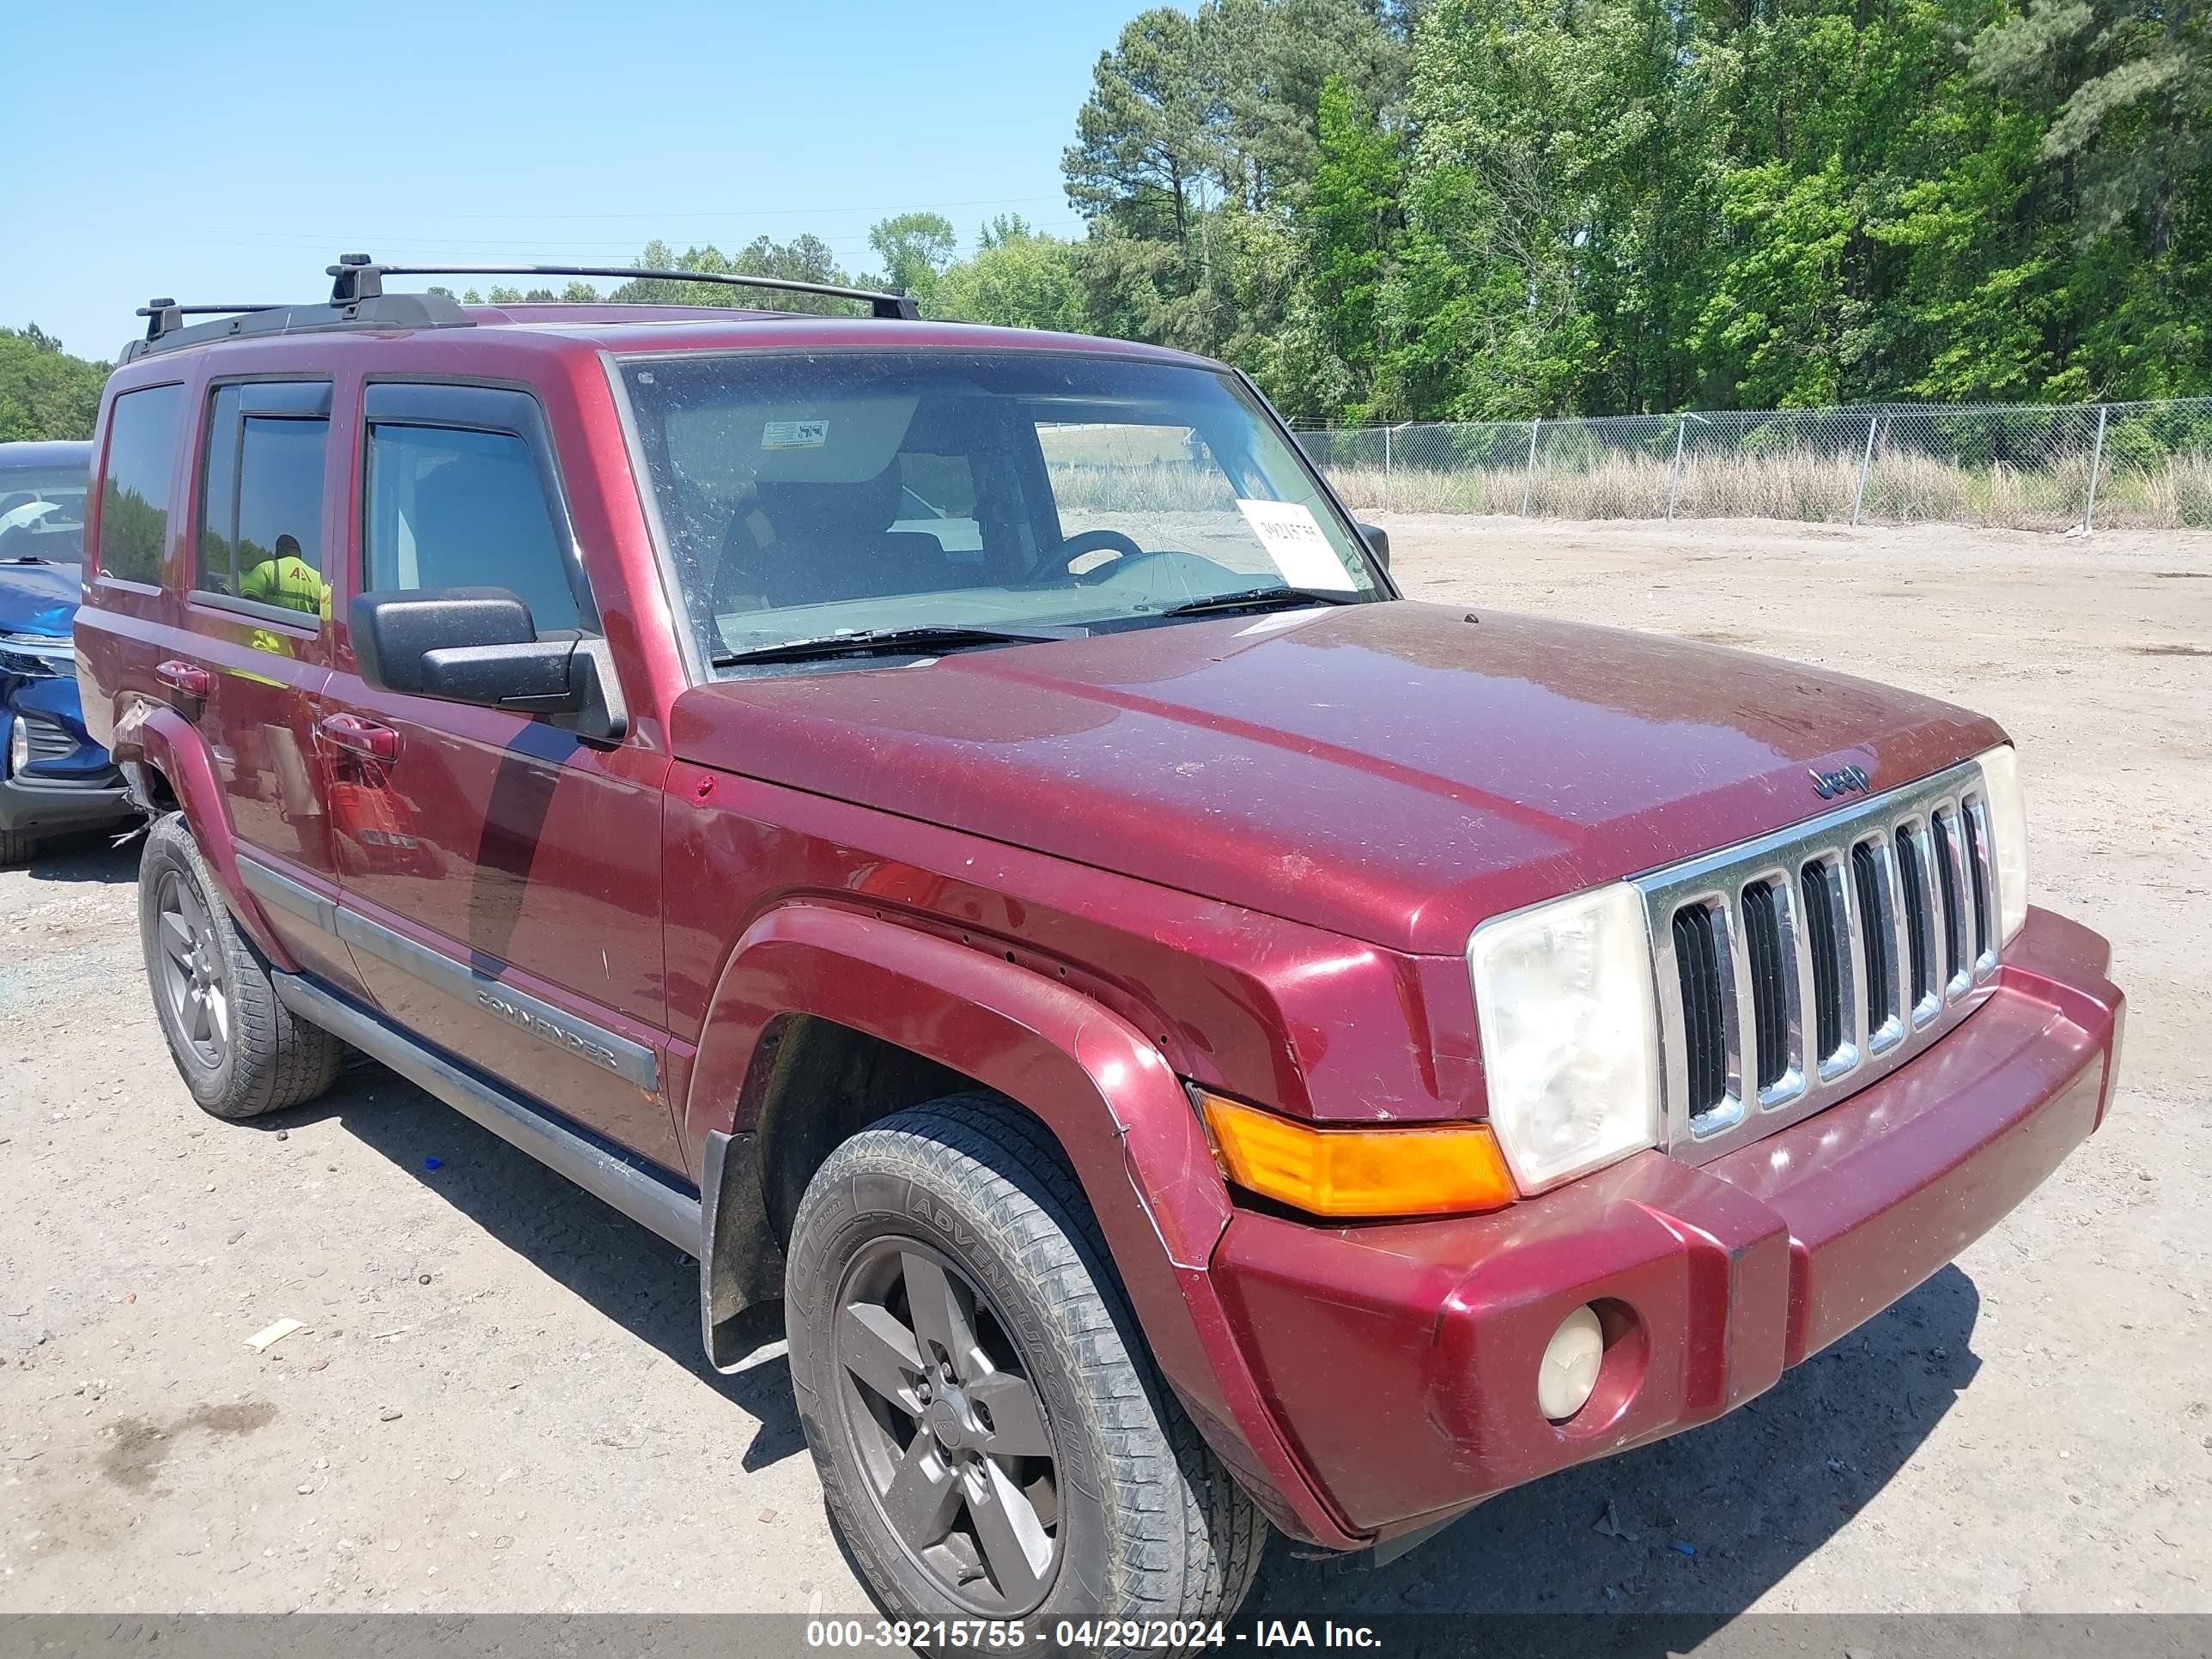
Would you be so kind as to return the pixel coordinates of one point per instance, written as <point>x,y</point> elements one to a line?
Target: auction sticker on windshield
<point>1295,541</point>
<point>794,434</point>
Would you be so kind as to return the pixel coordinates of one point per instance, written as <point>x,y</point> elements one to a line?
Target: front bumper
<point>33,806</point>
<point>1400,1359</point>
<point>75,790</point>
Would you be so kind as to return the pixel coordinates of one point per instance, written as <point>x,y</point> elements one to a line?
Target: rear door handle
<point>359,737</point>
<point>185,679</point>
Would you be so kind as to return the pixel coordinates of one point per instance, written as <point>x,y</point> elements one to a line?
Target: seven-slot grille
<point>1797,969</point>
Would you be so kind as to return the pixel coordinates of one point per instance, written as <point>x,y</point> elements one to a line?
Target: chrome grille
<point>1797,969</point>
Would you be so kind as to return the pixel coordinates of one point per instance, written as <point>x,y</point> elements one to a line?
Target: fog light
<point>1569,1371</point>
<point>19,745</point>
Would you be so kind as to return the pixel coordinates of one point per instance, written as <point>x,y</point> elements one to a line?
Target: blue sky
<point>147,150</point>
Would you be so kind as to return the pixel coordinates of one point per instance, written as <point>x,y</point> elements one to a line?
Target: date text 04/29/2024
<point>1085,1635</point>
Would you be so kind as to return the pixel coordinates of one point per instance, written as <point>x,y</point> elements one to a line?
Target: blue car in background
<point>52,776</point>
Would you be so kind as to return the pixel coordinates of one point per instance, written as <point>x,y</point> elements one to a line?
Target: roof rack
<point>356,277</point>
<point>166,316</point>
<point>358,300</point>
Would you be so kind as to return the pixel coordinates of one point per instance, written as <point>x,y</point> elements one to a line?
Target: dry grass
<point>1901,489</point>
<point>1144,487</point>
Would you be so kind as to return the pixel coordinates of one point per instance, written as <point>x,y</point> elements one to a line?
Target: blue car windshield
<point>42,515</point>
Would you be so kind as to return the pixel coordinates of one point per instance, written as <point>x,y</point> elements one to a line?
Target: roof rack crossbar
<point>166,316</point>
<point>356,277</point>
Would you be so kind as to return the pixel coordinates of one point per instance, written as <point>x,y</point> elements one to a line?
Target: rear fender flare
<point>1094,1081</point>
<point>156,737</point>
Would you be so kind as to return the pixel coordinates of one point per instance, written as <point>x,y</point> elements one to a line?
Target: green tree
<point>1349,216</point>
<point>1015,279</point>
<point>1277,57</point>
<point>44,392</point>
<point>1192,152</point>
<point>804,258</point>
<point>915,249</point>
<point>1148,151</point>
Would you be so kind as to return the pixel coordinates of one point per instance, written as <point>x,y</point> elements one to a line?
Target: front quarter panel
<point>1106,1093</point>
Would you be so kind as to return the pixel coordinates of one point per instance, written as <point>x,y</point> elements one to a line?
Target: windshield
<point>42,513</point>
<point>807,495</point>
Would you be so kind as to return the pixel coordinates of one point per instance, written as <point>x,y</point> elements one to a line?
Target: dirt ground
<point>497,1401</point>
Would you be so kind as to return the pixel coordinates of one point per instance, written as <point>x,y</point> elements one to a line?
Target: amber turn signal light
<point>1452,1169</point>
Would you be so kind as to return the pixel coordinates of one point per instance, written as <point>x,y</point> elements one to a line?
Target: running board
<point>637,1193</point>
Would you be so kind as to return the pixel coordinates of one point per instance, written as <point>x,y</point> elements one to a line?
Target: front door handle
<point>185,679</point>
<point>359,737</point>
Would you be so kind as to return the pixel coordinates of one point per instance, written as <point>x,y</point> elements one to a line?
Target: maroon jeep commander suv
<point>957,828</point>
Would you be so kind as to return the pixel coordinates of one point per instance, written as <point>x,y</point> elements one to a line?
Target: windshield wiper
<point>895,641</point>
<point>1261,599</point>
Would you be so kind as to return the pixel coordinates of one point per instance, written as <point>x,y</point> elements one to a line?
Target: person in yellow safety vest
<point>285,578</point>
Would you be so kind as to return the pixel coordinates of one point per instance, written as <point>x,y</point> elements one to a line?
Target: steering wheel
<point>1096,541</point>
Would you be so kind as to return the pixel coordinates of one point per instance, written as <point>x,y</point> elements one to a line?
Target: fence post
<point>1528,479</point>
<point>2096,465</point>
<point>1674,474</point>
<point>1859,499</point>
<point>1386,469</point>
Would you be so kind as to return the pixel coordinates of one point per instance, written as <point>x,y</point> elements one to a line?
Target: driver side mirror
<point>479,645</point>
<point>1378,543</point>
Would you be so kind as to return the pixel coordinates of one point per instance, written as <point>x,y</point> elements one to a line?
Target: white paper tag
<point>794,434</point>
<point>1297,545</point>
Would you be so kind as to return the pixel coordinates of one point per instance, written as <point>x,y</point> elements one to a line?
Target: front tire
<point>240,1050</point>
<point>992,1437</point>
<point>16,848</point>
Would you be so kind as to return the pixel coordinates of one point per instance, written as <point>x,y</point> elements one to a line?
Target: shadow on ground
<point>632,1276</point>
<point>1749,1496</point>
<point>89,857</point>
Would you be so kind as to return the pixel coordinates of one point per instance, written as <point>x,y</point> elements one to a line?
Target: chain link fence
<point>2078,467</point>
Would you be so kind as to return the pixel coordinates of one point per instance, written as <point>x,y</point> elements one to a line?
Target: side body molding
<point>153,737</point>
<point>1095,1080</point>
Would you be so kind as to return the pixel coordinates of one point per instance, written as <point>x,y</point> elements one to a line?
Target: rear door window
<point>134,507</point>
<point>261,497</point>
<point>450,507</point>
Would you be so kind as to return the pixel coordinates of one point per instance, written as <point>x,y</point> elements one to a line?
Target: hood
<point>1394,773</point>
<point>40,598</point>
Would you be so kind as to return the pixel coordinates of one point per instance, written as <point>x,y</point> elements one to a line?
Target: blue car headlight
<point>36,656</point>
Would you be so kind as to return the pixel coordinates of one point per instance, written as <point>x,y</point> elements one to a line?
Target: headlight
<point>36,656</point>
<point>2008,835</point>
<point>1570,1033</point>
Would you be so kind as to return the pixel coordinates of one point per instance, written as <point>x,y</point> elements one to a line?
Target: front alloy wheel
<point>993,1438</point>
<point>948,1427</point>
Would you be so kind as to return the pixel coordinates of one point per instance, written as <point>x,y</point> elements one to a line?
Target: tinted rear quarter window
<point>134,506</point>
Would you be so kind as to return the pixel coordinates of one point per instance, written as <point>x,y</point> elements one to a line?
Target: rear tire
<point>240,1050</point>
<point>1046,1472</point>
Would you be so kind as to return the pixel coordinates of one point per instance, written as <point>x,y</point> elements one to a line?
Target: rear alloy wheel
<point>240,1050</point>
<point>948,1429</point>
<point>189,975</point>
<point>993,1436</point>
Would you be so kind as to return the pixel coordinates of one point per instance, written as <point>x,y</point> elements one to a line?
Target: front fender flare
<point>1093,1079</point>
